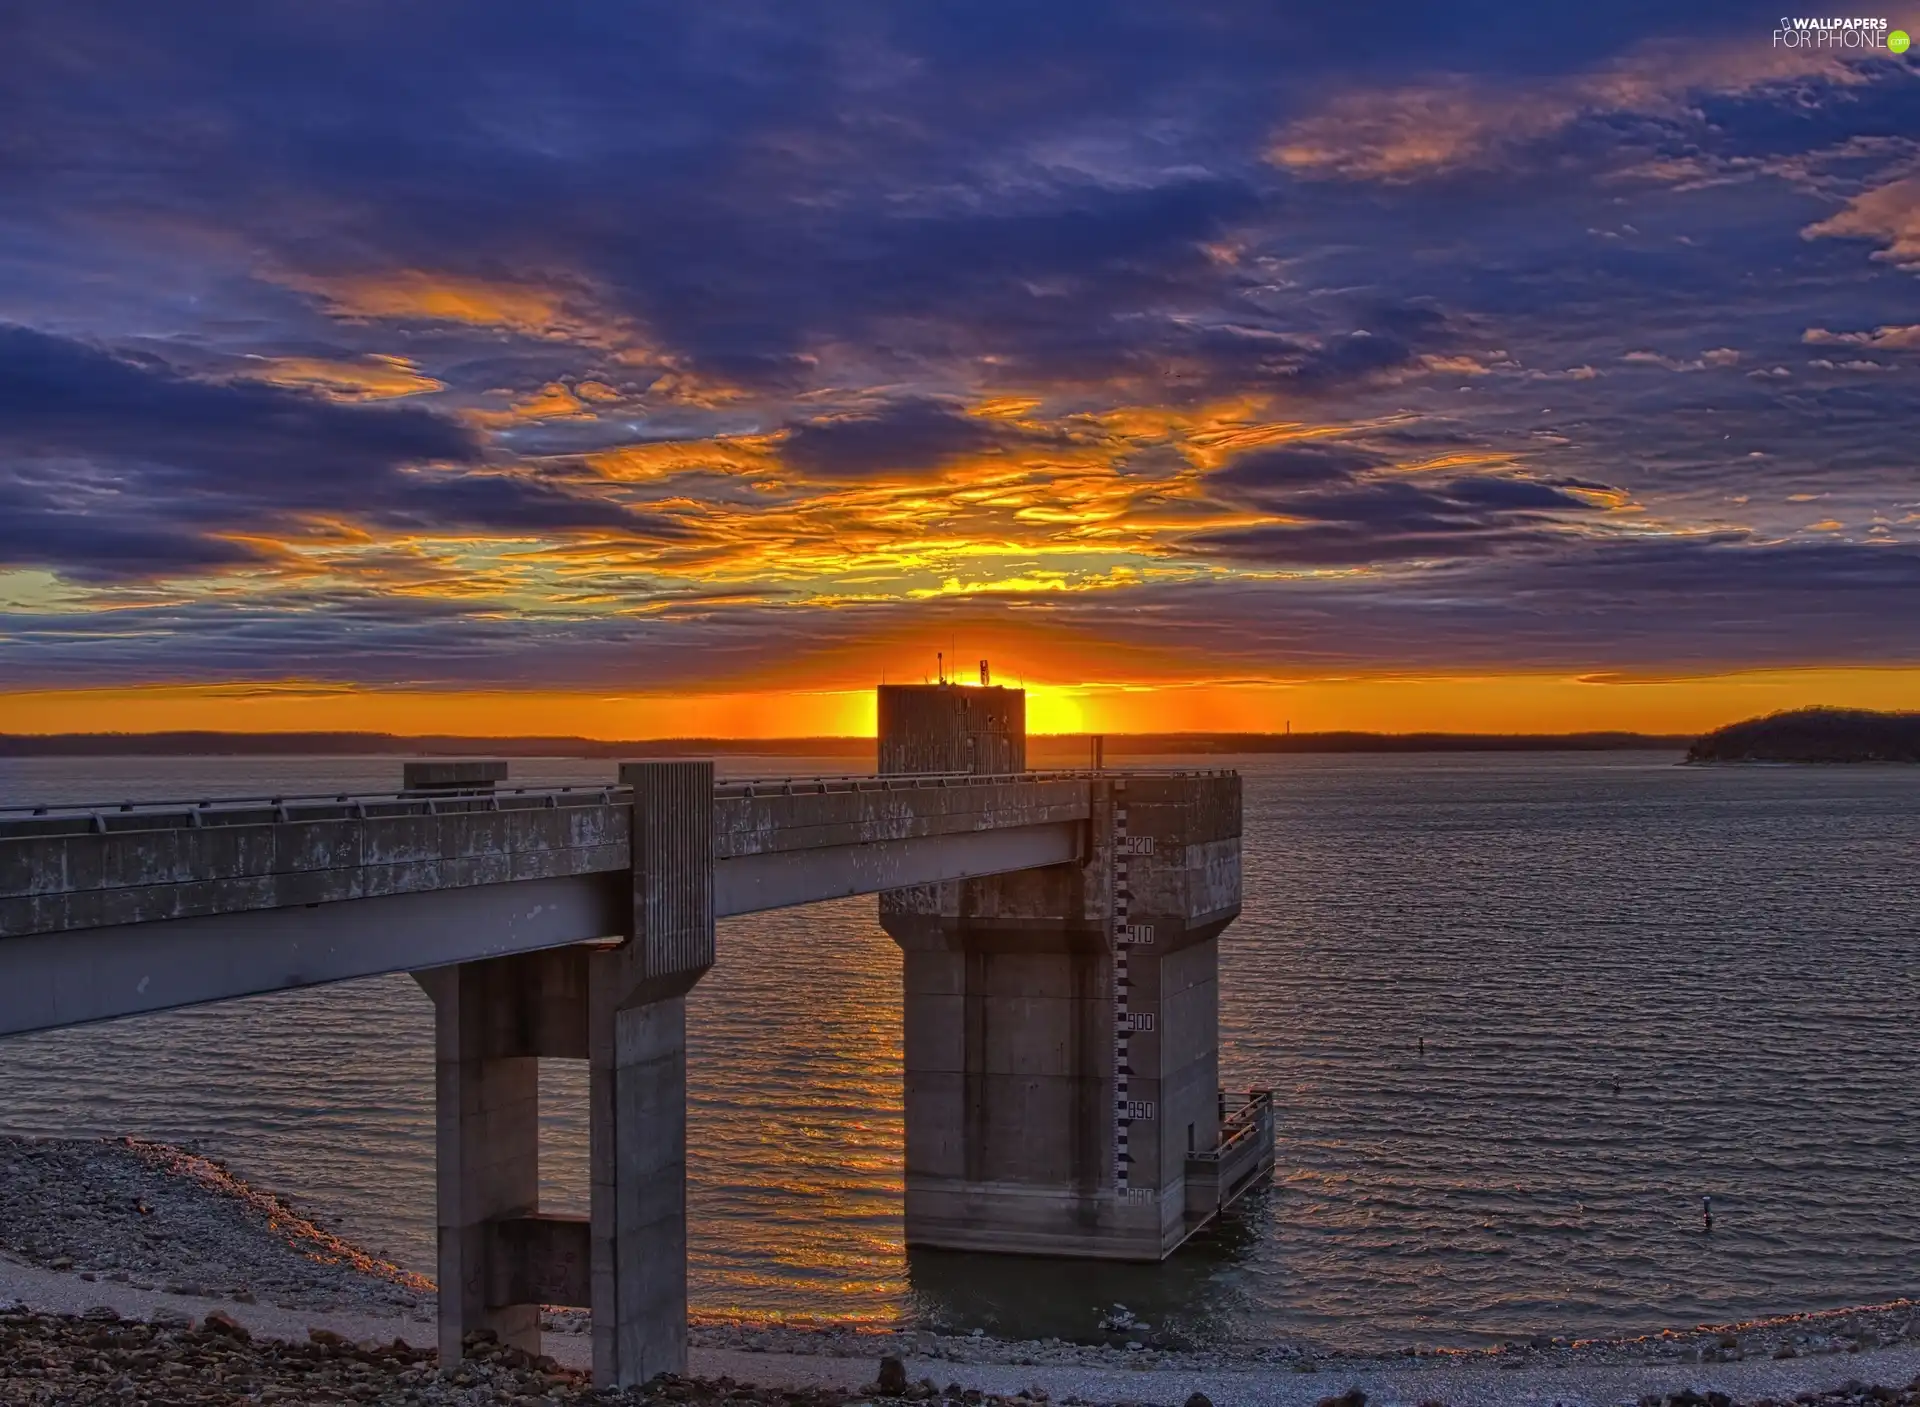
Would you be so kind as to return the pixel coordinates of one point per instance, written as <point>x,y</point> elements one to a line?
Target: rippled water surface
<point>1636,984</point>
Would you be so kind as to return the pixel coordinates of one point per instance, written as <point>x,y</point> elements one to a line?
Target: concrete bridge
<point>1059,932</point>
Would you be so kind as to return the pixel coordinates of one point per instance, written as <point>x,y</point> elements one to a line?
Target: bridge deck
<point>139,906</point>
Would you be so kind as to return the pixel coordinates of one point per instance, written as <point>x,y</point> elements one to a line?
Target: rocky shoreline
<point>149,1217</point>
<point>49,1360</point>
<point>156,1217</point>
<point>65,1360</point>
<point>1834,1332</point>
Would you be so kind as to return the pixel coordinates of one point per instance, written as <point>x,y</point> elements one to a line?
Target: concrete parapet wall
<point>61,874</point>
<point>878,811</point>
<point>114,911</point>
<point>56,883</point>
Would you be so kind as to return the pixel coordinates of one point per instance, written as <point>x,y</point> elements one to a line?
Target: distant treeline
<point>1814,735</point>
<point>211,744</point>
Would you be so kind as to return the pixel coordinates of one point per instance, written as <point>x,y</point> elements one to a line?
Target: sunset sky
<point>638,369</point>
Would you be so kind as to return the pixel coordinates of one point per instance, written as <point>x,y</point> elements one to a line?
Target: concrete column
<point>1006,1089</point>
<point>638,1141</point>
<point>487,1148</point>
<point>638,1087</point>
<point>486,1114</point>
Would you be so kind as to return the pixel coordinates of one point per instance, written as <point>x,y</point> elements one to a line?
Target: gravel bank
<point>155,1217</point>
<point>97,1357</point>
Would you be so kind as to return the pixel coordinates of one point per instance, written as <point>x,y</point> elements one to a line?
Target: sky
<point>636,369</point>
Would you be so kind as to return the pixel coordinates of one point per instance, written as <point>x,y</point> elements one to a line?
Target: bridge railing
<point>908,781</point>
<point>70,818</point>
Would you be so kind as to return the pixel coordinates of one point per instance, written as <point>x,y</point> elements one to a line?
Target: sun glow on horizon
<point>1491,704</point>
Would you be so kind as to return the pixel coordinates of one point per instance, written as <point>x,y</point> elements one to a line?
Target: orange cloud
<point>414,293</point>
<point>371,378</point>
<point>1889,215</point>
<point>553,401</point>
<point>1905,339</point>
<point>1424,130</point>
<point>723,454</point>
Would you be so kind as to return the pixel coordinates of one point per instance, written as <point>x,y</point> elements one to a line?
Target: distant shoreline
<point>1818,736</point>
<point>1049,746</point>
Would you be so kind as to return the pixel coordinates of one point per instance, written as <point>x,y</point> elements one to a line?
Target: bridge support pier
<point>621,1006</point>
<point>639,1156</point>
<point>638,1041</point>
<point>499,1258</point>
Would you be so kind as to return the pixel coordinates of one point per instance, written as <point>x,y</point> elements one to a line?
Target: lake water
<point>1739,949</point>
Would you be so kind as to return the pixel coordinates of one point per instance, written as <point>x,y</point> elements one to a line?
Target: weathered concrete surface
<point>637,1154</point>
<point>49,980</point>
<point>637,1080</point>
<point>1061,1033</point>
<point>870,810</point>
<point>777,879</point>
<point>622,1007</point>
<point>499,1257</point>
<point>54,883</point>
<point>160,907</point>
<point>59,873</point>
<point>487,1149</point>
<point>948,728</point>
<point>772,849</point>
<point>1011,1011</point>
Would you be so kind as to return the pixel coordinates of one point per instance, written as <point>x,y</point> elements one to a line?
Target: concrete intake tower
<point>1062,1022</point>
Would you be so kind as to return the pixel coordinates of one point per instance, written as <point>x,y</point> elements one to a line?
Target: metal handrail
<point>893,781</point>
<point>334,798</point>
<point>124,816</point>
<point>1240,1124</point>
<point>119,816</point>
